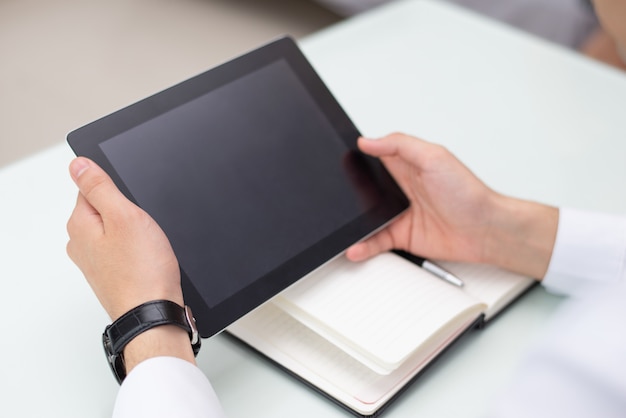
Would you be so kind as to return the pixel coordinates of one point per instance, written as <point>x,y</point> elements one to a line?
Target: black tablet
<point>252,171</point>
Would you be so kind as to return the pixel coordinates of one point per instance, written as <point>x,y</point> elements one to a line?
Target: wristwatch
<point>142,318</point>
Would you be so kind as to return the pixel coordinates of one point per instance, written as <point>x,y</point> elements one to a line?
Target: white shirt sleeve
<point>165,387</point>
<point>578,368</point>
<point>590,251</point>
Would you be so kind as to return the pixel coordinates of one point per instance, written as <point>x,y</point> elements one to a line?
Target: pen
<point>431,267</point>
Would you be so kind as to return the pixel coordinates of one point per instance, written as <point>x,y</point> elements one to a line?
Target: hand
<point>602,47</point>
<point>126,258</point>
<point>449,207</point>
<point>612,15</point>
<point>123,253</point>
<point>455,216</point>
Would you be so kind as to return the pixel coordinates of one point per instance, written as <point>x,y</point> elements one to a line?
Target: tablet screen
<point>264,186</point>
<point>256,182</point>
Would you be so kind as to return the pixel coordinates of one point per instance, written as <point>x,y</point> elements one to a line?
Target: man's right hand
<point>455,216</point>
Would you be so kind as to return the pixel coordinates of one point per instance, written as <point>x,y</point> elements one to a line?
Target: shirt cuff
<point>167,387</point>
<point>590,250</point>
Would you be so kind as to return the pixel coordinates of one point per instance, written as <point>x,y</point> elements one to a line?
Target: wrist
<point>122,305</point>
<point>522,236</point>
<point>166,340</point>
<point>152,329</point>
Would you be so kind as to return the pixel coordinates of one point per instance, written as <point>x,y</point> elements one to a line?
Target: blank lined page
<point>379,311</point>
<point>492,285</point>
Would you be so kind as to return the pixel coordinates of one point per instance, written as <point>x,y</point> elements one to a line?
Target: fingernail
<point>78,167</point>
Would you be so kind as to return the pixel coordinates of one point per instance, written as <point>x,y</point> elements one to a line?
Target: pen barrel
<point>434,269</point>
<point>441,273</point>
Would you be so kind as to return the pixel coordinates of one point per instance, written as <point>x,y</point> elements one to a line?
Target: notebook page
<point>379,311</point>
<point>285,340</point>
<point>494,286</point>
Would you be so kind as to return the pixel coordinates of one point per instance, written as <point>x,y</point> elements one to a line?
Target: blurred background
<point>64,63</point>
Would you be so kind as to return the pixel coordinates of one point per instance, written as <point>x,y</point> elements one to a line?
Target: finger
<point>84,223</point>
<point>96,186</point>
<point>380,242</point>
<point>84,219</point>
<point>385,146</point>
<point>405,146</point>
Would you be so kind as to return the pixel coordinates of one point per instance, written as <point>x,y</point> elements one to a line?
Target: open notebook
<point>359,332</point>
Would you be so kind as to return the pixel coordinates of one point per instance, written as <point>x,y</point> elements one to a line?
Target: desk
<point>529,118</point>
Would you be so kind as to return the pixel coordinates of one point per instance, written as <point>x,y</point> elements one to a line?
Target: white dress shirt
<point>167,387</point>
<point>577,370</point>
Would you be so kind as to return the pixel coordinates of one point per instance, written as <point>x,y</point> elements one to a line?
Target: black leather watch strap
<point>142,318</point>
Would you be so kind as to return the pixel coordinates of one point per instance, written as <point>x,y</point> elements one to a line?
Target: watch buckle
<point>195,337</point>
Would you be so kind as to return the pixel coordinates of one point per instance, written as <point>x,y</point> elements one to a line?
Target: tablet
<point>252,171</point>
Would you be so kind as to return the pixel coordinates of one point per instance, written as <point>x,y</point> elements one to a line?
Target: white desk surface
<point>530,118</point>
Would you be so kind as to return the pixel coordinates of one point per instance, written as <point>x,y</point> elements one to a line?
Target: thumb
<point>408,148</point>
<point>378,243</point>
<point>95,185</point>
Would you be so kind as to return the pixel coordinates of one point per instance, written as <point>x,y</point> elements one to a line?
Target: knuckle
<point>69,249</point>
<point>93,184</point>
<point>71,226</point>
<point>437,154</point>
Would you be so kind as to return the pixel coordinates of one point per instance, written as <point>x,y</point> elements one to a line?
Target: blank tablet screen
<point>264,186</point>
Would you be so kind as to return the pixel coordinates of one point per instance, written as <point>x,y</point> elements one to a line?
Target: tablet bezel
<point>85,141</point>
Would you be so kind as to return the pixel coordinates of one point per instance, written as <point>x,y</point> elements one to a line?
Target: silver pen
<point>431,267</point>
